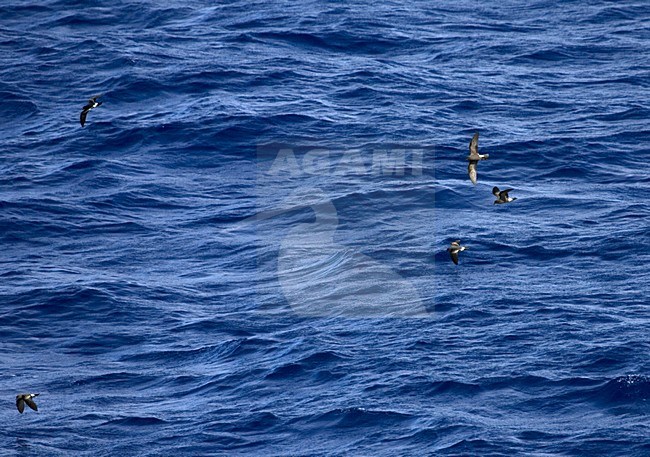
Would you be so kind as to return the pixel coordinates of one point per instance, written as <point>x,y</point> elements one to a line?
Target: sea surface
<point>243,252</point>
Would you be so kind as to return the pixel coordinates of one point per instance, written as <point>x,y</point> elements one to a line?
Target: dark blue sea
<point>243,251</point>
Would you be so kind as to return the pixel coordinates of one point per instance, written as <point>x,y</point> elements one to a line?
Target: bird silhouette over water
<point>454,249</point>
<point>92,103</point>
<point>502,196</point>
<point>22,399</point>
<point>474,157</point>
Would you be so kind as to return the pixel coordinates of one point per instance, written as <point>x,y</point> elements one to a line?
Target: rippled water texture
<point>243,250</point>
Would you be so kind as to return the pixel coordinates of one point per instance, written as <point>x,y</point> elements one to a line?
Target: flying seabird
<point>502,196</point>
<point>21,399</point>
<point>454,249</point>
<point>474,157</point>
<point>92,103</point>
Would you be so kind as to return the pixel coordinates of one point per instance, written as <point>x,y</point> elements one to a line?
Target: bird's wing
<point>454,256</point>
<point>495,191</point>
<point>82,118</point>
<point>471,169</point>
<point>473,146</point>
<point>20,404</point>
<point>503,195</point>
<point>31,404</point>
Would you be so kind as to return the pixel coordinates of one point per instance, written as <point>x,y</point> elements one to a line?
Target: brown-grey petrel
<point>92,103</point>
<point>502,196</point>
<point>474,157</point>
<point>454,249</point>
<point>21,399</point>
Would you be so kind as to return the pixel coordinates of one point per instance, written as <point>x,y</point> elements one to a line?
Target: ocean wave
<point>168,294</point>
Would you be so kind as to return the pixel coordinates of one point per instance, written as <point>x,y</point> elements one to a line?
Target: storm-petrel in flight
<point>502,196</point>
<point>92,103</point>
<point>21,399</point>
<point>454,249</point>
<point>474,157</point>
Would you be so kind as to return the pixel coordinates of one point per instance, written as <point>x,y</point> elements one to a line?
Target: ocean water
<point>243,251</point>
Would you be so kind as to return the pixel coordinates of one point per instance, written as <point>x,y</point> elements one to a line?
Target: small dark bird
<point>92,103</point>
<point>454,249</point>
<point>21,399</point>
<point>502,196</point>
<point>474,157</point>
